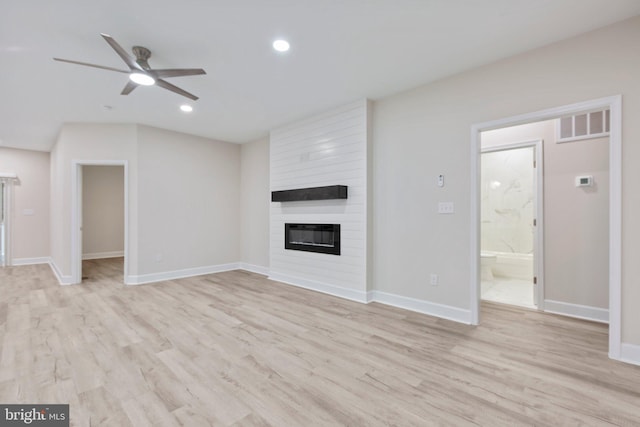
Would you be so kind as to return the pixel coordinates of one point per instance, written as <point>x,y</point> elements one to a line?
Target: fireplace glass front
<point>321,238</point>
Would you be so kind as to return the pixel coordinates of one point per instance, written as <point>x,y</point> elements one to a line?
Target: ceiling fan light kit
<point>140,73</point>
<point>142,79</point>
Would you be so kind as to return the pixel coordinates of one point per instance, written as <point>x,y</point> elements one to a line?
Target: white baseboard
<point>102,255</point>
<point>585,312</point>
<point>254,268</point>
<point>179,274</point>
<point>62,279</point>
<point>30,261</point>
<point>325,288</point>
<point>421,306</point>
<point>630,353</point>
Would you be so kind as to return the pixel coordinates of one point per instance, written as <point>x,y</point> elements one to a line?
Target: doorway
<point>102,246</point>
<point>614,105</point>
<point>6,190</point>
<point>511,222</point>
<point>3,228</point>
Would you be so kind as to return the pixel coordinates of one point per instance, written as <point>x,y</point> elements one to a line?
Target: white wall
<point>30,204</point>
<point>424,132</point>
<point>183,198</point>
<point>576,220</point>
<point>255,203</point>
<point>102,211</point>
<point>88,142</point>
<point>189,203</point>
<point>329,149</point>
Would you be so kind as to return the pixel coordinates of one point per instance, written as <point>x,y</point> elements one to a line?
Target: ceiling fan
<point>140,73</point>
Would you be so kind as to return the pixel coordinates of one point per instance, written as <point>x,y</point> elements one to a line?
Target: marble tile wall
<point>507,201</point>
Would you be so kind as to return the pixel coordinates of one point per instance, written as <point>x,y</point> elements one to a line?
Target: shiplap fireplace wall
<point>329,149</point>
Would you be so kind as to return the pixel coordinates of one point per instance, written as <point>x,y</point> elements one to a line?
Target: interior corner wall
<point>87,142</point>
<point>183,197</point>
<point>425,132</point>
<point>254,205</point>
<point>189,204</point>
<point>30,203</point>
<point>102,212</point>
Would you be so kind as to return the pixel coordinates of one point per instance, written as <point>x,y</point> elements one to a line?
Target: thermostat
<point>584,181</point>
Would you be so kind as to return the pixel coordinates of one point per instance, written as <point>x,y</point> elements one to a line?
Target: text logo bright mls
<point>34,415</point>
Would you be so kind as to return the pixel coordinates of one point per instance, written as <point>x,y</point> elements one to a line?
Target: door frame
<point>76,214</point>
<point>538,209</point>
<point>614,104</point>
<point>6,207</point>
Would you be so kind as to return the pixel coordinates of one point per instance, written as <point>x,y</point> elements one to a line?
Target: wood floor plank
<point>236,349</point>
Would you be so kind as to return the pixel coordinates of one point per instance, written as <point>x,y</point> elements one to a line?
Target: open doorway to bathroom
<point>583,268</point>
<point>511,224</point>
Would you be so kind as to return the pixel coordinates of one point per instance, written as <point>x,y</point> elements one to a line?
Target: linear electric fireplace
<point>322,238</point>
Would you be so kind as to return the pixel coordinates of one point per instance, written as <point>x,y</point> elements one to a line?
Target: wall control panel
<point>584,181</point>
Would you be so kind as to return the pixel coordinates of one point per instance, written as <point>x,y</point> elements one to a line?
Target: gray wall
<point>424,132</point>
<point>102,211</point>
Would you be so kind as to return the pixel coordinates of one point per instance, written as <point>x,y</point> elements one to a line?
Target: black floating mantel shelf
<point>313,193</point>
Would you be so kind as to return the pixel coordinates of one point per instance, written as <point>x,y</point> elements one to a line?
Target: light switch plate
<point>445,208</point>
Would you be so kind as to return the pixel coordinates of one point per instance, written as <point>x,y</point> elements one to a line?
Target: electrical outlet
<point>434,279</point>
<point>445,208</point>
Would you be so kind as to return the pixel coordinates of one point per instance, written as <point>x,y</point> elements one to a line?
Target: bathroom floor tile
<point>508,291</point>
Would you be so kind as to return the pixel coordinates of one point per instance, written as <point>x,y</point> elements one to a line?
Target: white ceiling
<point>341,51</point>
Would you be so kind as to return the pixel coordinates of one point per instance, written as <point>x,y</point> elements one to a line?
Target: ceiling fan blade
<point>128,59</point>
<point>91,65</point>
<point>176,72</point>
<point>176,89</point>
<point>130,86</point>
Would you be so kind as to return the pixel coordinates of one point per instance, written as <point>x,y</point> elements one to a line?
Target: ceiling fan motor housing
<point>142,54</point>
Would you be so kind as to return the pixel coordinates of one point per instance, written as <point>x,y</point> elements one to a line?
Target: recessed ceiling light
<point>186,108</point>
<point>281,45</point>
<point>142,79</point>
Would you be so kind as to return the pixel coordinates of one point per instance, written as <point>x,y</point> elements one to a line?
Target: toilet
<point>487,260</point>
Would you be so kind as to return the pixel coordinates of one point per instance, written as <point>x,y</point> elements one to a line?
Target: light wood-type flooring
<point>236,349</point>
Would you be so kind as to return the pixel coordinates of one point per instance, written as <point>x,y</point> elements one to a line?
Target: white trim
<point>474,237</point>
<point>538,206</point>
<point>254,268</point>
<point>31,261</point>
<point>595,314</point>
<point>325,288</point>
<point>421,306</point>
<point>102,255</point>
<point>614,103</point>
<point>630,353</point>
<point>180,274</point>
<point>8,175</point>
<point>615,227</point>
<point>63,280</point>
<point>7,197</point>
<point>76,213</point>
